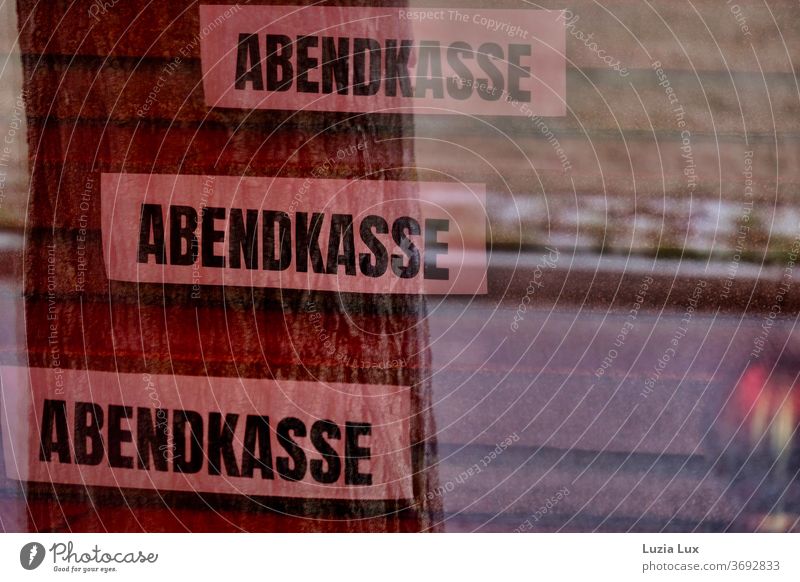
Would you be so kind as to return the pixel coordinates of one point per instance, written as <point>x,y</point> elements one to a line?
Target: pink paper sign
<point>362,236</point>
<point>354,59</point>
<point>215,435</point>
